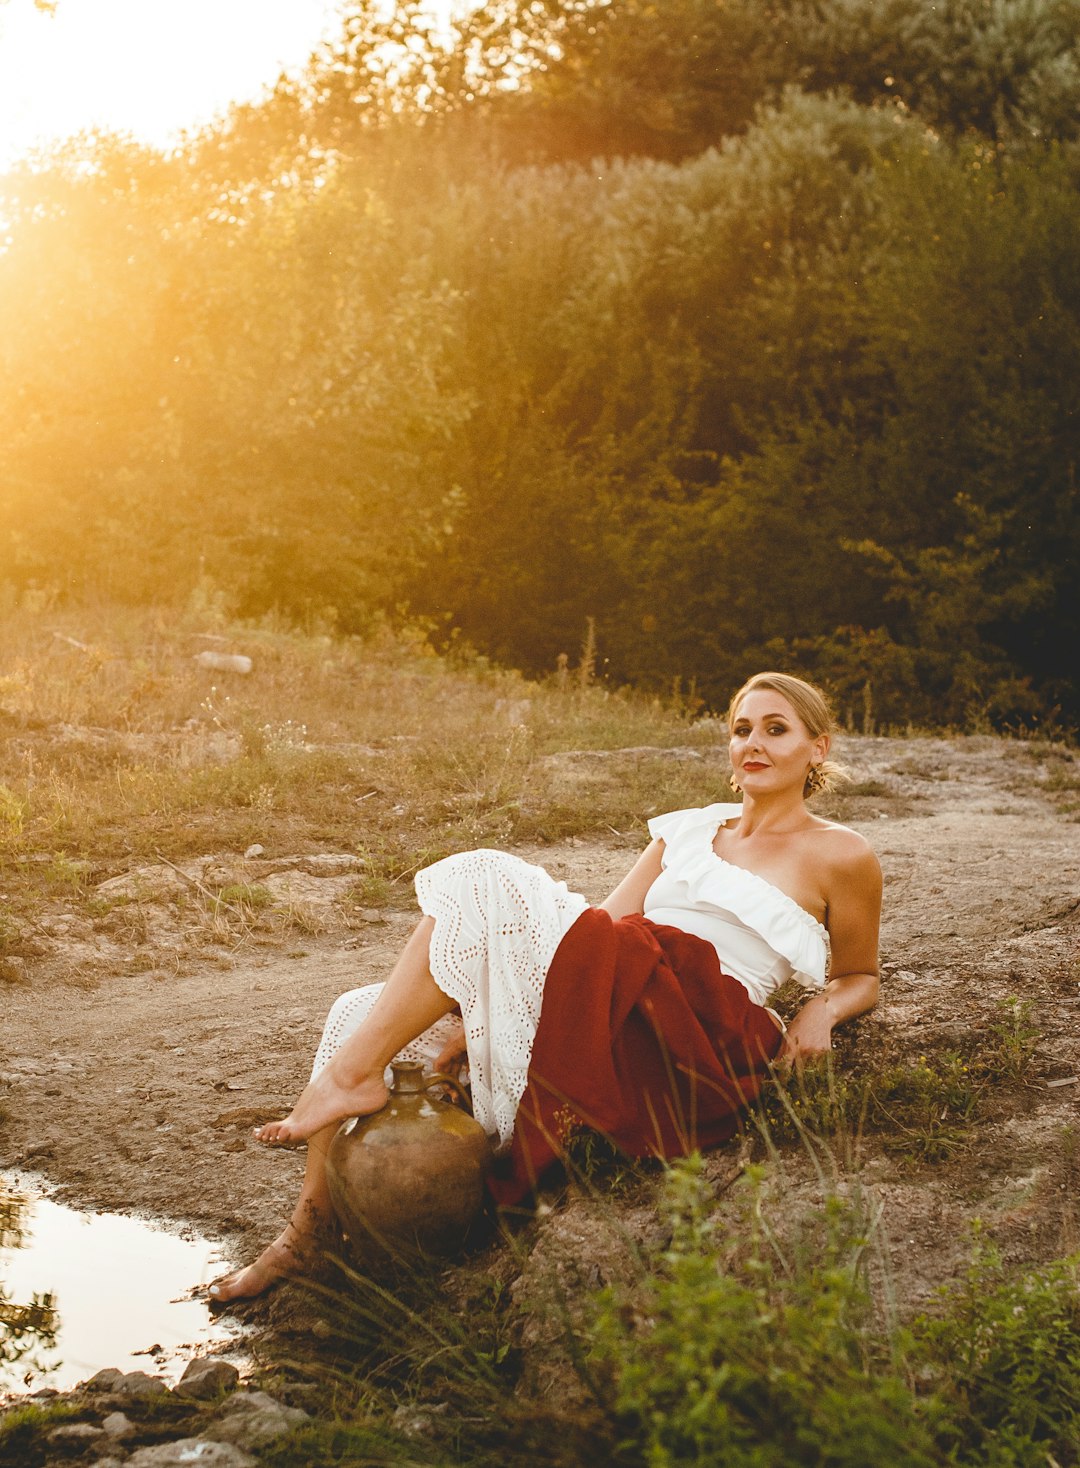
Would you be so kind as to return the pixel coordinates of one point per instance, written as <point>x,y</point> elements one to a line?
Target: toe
<point>223,1289</point>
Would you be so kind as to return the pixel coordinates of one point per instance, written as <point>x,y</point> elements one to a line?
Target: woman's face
<point>770,746</point>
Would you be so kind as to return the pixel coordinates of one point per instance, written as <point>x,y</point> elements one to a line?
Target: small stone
<point>76,1435</point>
<point>117,1425</point>
<point>418,1421</point>
<point>187,1450</point>
<point>206,1377</point>
<point>139,1384</point>
<point>223,662</point>
<point>103,1381</point>
<point>253,1419</point>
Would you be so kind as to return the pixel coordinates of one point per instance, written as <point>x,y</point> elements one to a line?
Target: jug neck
<point>409,1078</point>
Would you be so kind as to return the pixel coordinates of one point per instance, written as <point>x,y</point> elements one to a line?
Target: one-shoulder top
<point>762,936</point>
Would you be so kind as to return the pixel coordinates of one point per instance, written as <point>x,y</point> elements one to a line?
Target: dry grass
<point>124,750</point>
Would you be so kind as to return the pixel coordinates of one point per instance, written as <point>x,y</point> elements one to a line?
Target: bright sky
<point>148,67</point>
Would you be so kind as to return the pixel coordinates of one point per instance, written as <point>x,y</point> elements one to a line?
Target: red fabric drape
<point>641,1037</point>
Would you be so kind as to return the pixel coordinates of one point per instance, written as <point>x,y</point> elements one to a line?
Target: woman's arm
<point>853,917</point>
<point>629,895</point>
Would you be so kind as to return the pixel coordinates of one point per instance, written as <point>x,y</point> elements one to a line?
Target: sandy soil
<point>137,1091</point>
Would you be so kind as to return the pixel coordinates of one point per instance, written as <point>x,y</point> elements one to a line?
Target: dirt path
<point>137,1092</point>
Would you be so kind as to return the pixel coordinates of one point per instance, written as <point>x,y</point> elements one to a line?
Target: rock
<point>301,889</point>
<point>76,1435</point>
<point>103,1381</point>
<point>254,851</point>
<point>224,662</point>
<point>187,1450</point>
<point>143,884</point>
<point>109,1462</point>
<point>139,1384</point>
<point>514,710</point>
<point>321,864</point>
<point>206,1377</point>
<point>253,1419</point>
<point>116,1425</point>
<point>200,746</point>
<point>417,1421</point>
<point>331,864</point>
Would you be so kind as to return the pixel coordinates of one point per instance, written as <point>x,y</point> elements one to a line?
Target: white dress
<point>499,920</point>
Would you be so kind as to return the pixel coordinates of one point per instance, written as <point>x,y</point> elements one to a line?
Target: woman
<point>725,904</point>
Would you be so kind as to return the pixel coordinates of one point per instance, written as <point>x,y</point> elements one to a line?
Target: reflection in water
<point>25,1330</point>
<point>11,1212</point>
<point>83,1291</point>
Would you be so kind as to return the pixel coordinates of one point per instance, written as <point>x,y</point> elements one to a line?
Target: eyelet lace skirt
<point>498,921</point>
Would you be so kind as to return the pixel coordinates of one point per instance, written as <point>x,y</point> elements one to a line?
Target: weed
<point>765,1361</point>
<point>868,787</point>
<point>1005,1353</point>
<point>12,819</point>
<point>819,1100</point>
<point>11,932</point>
<point>246,896</point>
<point>596,1163</point>
<point>923,1110</point>
<point>24,1430</point>
<point>306,918</point>
<point>67,874</point>
<point>374,886</point>
<point>1014,1036</point>
<point>929,1107</point>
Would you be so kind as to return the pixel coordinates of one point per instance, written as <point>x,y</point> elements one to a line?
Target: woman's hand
<point>809,1035</point>
<point>454,1055</point>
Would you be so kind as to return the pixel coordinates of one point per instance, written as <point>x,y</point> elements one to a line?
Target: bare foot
<point>322,1102</point>
<point>289,1254</point>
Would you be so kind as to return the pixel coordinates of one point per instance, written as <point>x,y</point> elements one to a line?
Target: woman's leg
<point>295,1248</point>
<point>410,1002</point>
<point>352,1083</point>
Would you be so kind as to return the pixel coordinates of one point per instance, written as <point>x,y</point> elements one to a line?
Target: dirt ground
<point>136,1091</point>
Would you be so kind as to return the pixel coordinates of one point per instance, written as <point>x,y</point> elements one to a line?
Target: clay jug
<point>409,1178</point>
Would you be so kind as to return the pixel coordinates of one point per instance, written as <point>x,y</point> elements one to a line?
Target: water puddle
<point>80,1291</point>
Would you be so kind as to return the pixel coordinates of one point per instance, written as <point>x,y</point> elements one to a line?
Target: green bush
<point>757,1363</point>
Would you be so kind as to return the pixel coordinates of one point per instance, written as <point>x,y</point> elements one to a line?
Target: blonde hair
<point>812,709</point>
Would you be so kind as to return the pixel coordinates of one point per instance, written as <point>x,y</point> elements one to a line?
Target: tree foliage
<point>748,331</point>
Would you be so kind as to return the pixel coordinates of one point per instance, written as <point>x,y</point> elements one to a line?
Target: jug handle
<point>441,1078</point>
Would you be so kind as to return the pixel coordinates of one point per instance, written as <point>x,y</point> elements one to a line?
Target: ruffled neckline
<point>731,812</point>
<point>785,924</point>
<point>796,907</point>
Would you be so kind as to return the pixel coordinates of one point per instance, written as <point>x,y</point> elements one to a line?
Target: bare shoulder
<point>845,853</point>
